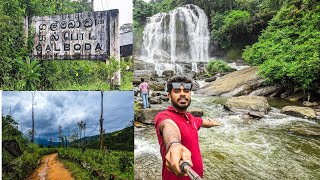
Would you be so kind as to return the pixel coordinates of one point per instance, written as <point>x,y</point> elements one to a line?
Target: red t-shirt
<point>189,126</point>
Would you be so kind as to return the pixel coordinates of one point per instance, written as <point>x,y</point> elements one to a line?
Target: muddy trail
<point>51,169</point>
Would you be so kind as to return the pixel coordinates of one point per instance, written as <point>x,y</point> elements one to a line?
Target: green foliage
<point>22,166</point>
<point>118,140</point>
<point>217,66</point>
<point>102,164</point>
<point>126,70</point>
<point>53,7</point>
<point>29,74</point>
<point>10,128</point>
<point>121,140</point>
<point>288,51</point>
<point>141,11</point>
<point>230,27</point>
<point>77,171</point>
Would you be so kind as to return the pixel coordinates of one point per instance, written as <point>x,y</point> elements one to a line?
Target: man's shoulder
<point>163,112</point>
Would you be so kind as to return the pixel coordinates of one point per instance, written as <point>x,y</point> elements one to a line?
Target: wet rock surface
<point>230,82</point>
<point>306,131</point>
<point>304,112</point>
<point>245,104</point>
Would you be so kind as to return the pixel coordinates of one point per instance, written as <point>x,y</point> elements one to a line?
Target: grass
<point>77,171</point>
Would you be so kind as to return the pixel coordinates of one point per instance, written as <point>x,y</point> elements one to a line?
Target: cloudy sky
<point>66,108</point>
<point>125,8</point>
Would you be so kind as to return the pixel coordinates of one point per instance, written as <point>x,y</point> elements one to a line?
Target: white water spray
<point>180,36</point>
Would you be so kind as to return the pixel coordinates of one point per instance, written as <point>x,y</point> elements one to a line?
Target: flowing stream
<point>241,148</point>
<point>180,36</point>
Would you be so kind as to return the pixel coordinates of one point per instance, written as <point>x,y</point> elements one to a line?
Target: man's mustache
<point>184,98</point>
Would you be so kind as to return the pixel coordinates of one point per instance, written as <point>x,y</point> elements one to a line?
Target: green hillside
<point>117,140</point>
<point>288,50</point>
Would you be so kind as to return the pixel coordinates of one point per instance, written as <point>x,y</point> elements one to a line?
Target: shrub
<point>217,66</point>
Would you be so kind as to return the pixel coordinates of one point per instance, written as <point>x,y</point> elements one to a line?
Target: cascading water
<point>180,36</point>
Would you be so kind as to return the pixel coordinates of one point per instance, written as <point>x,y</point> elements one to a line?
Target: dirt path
<point>51,169</point>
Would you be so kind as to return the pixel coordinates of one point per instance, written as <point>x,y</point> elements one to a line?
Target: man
<point>144,89</point>
<point>177,131</point>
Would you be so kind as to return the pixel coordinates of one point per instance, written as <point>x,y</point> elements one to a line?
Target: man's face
<point>180,97</point>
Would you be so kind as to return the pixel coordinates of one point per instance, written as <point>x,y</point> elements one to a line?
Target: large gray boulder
<point>138,74</point>
<point>306,131</point>
<point>233,84</point>
<point>147,116</point>
<point>143,65</point>
<point>246,104</point>
<point>157,86</point>
<point>196,112</point>
<point>304,112</point>
<point>265,91</point>
<point>155,100</point>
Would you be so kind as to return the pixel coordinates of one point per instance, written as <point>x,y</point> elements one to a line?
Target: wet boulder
<point>210,79</point>
<point>155,100</point>
<point>157,86</point>
<point>306,131</point>
<point>196,112</point>
<point>310,104</point>
<point>138,74</point>
<point>136,91</point>
<point>264,91</point>
<point>299,96</point>
<point>247,104</point>
<point>158,93</point>
<point>147,116</point>
<point>142,65</point>
<point>168,73</point>
<point>234,84</point>
<point>304,112</point>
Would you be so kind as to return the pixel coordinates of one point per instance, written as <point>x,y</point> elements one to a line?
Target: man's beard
<point>181,107</point>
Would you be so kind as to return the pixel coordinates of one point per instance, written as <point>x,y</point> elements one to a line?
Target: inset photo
<point>69,45</point>
<point>67,135</point>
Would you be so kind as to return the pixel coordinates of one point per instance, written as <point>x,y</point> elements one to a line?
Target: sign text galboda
<point>90,35</point>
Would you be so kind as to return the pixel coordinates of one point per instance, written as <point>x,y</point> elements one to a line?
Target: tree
<point>32,130</point>
<point>61,135</point>
<point>101,123</point>
<point>82,126</point>
<point>10,128</point>
<point>51,142</point>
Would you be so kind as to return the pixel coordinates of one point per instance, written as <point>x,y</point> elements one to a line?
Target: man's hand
<point>176,154</point>
<point>210,123</point>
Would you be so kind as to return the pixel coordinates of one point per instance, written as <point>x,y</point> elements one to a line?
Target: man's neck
<point>180,110</point>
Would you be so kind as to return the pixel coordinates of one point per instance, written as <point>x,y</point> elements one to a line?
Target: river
<point>241,148</point>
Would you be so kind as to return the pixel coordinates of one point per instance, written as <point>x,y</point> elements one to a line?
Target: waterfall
<point>180,36</point>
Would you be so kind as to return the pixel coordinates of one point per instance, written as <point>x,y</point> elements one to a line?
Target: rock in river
<point>246,104</point>
<point>304,112</point>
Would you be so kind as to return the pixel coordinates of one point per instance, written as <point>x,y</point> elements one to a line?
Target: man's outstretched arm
<point>210,123</point>
<point>176,152</point>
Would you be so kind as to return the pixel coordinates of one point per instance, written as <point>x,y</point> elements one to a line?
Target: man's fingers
<point>168,166</point>
<point>170,163</point>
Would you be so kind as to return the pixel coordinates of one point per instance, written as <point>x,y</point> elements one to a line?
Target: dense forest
<point>20,72</point>
<point>282,37</point>
<point>20,157</point>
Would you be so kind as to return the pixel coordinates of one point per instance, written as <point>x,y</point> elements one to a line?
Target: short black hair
<point>142,79</point>
<point>178,78</point>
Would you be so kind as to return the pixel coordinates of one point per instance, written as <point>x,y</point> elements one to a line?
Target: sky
<point>66,108</point>
<point>125,8</point>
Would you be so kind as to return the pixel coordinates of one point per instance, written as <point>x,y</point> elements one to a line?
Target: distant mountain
<point>117,140</point>
<point>46,142</point>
